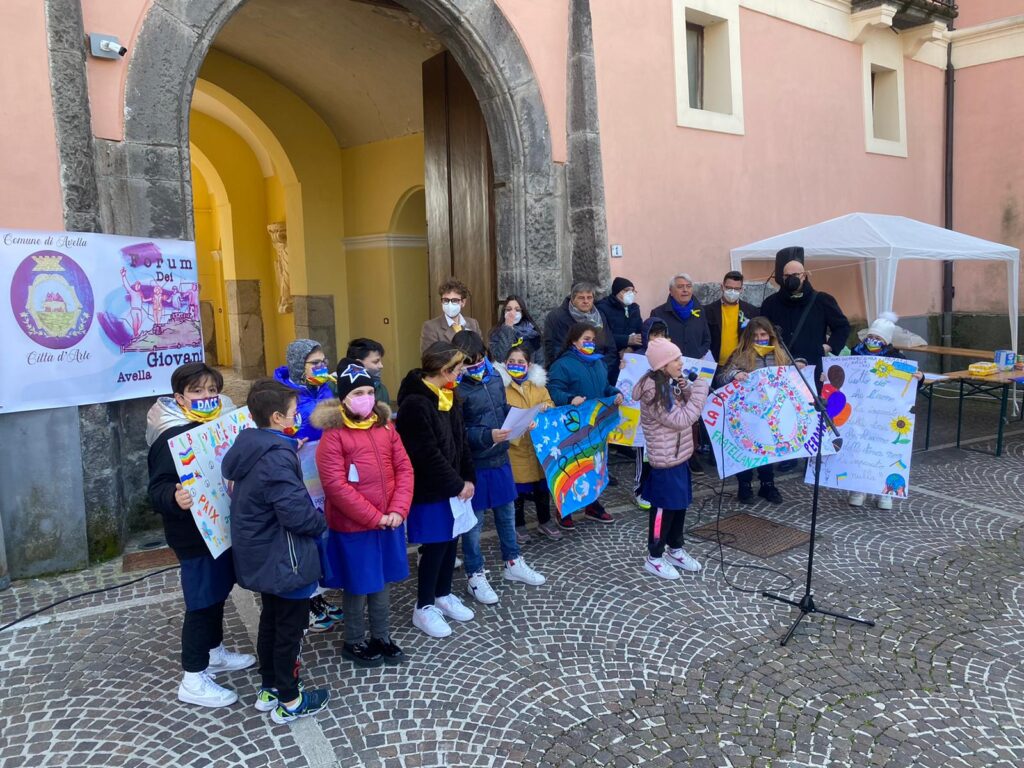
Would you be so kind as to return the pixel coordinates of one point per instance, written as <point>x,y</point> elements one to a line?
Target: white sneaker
<point>680,557</point>
<point>660,567</point>
<point>223,660</point>
<point>855,499</point>
<point>198,688</point>
<point>518,570</point>
<point>480,588</point>
<point>453,607</point>
<point>458,562</point>
<point>431,621</point>
<point>885,502</point>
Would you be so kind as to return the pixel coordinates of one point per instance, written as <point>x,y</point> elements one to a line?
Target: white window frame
<point>709,14</point>
<point>884,49</point>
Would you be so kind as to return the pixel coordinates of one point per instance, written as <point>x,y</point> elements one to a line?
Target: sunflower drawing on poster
<point>871,401</point>
<point>767,418</point>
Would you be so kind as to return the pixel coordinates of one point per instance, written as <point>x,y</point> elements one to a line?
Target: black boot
<point>745,494</point>
<point>362,654</point>
<point>390,652</point>
<point>770,493</point>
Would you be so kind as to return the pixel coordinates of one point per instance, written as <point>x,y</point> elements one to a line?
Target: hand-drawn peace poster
<point>572,445</point>
<point>871,400</point>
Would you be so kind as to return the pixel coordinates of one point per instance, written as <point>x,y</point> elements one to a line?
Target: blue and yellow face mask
<point>516,370</point>
<point>587,347</point>
<point>203,409</point>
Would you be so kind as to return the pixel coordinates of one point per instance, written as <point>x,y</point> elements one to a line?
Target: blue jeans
<point>505,523</point>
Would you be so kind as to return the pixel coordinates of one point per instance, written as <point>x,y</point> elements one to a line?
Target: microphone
<point>692,375</point>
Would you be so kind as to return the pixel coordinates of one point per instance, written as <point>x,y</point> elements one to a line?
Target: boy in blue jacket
<point>274,527</point>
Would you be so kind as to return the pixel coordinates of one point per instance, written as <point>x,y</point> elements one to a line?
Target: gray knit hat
<point>295,356</point>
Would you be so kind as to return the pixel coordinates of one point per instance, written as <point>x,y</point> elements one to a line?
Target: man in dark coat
<point>812,323</point>
<point>579,307</point>
<point>684,316</point>
<point>623,313</point>
<point>725,335</point>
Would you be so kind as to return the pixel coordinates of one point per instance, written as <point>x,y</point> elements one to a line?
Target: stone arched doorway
<point>173,42</point>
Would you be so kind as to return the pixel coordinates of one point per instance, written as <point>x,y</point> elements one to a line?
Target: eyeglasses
<point>314,363</point>
<point>451,301</point>
<point>794,274</point>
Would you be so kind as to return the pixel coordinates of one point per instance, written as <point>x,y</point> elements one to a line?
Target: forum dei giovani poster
<point>93,318</point>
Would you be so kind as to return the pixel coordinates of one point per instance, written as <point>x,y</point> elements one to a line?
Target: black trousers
<point>282,625</point>
<point>201,632</point>
<point>643,470</point>
<point>765,474</point>
<point>437,564</point>
<point>669,530</point>
<point>541,500</point>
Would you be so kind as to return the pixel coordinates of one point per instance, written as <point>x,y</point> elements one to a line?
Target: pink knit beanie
<point>660,352</point>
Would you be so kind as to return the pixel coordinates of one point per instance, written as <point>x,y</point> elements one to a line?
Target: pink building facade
<point>667,131</point>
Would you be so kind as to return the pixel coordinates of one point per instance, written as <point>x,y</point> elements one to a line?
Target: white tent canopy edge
<point>881,242</point>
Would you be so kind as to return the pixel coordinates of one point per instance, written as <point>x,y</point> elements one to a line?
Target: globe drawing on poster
<point>767,418</point>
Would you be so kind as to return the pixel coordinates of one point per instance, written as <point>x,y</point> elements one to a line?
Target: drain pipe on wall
<point>948,289</point>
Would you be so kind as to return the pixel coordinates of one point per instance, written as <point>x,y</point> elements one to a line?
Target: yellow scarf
<point>764,350</point>
<point>445,397</point>
<point>353,424</point>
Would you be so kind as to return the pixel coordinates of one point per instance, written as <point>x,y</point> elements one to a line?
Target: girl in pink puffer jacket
<point>669,407</point>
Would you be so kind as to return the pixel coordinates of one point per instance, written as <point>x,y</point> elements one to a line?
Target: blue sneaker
<point>310,702</point>
<point>266,698</point>
<point>320,619</point>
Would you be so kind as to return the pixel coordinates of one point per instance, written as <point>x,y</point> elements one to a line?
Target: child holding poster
<point>274,530</point>
<point>526,387</point>
<point>308,373</point>
<point>367,480</point>
<point>669,407</point>
<point>205,582</point>
<point>580,374</point>
<point>430,424</point>
<point>877,342</point>
<point>758,347</point>
<point>484,408</point>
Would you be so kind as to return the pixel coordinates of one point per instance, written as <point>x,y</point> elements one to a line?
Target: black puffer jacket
<point>484,408</point>
<point>435,440</point>
<point>622,320</point>
<point>274,525</point>
<point>693,336</point>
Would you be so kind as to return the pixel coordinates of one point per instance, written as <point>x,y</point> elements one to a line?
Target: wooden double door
<point>459,186</point>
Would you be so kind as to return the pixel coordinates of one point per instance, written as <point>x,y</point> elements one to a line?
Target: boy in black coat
<point>274,527</point>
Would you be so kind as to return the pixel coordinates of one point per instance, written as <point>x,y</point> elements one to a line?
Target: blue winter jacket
<point>484,408</point>
<point>274,525</point>
<point>572,376</point>
<point>309,397</point>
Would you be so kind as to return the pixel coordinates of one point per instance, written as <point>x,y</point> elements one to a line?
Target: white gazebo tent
<point>881,242</point>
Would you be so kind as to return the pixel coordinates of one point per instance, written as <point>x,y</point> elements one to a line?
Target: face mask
<point>361,405</point>
<point>375,374</point>
<point>516,370</point>
<point>587,347</point>
<point>731,295</point>
<point>628,298</point>
<point>517,318</point>
<point>452,310</point>
<point>203,410</point>
<point>294,428</point>
<point>477,370</point>
<point>454,384</point>
<point>320,375</point>
<point>791,283</point>
<point>764,349</point>
<point>872,345</point>
<point>763,342</point>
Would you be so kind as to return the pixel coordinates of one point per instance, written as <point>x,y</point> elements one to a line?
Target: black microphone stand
<point>806,603</point>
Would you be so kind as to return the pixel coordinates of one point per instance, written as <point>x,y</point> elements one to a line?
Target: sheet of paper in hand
<point>871,400</point>
<point>768,418</point>
<point>571,443</point>
<point>311,474</point>
<point>463,516</point>
<point>629,431</point>
<point>519,420</point>
<point>197,455</point>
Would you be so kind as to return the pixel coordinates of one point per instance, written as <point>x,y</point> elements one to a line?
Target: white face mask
<point>628,298</point>
<point>452,310</point>
<point>731,295</point>
<point>517,318</point>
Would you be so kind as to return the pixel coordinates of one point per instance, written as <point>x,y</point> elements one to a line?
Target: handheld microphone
<point>692,375</point>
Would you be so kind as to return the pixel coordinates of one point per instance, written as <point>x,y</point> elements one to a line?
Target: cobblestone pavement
<point>603,665</point>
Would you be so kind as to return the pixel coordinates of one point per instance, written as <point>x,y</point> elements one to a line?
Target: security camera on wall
<point>106,47</point>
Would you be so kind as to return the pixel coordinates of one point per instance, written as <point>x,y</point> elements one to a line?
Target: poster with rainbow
<point>571,443</point>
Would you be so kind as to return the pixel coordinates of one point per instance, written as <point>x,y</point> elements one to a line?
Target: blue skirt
<point>495,487</point>
<point>430,522</point>
<point>668,488</point>
<point>205,581</point>
<point>363,563</point>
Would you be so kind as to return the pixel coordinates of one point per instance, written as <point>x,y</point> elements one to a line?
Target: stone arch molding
<point>146,187</point>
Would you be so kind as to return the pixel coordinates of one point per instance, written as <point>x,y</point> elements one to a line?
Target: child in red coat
<point>368,481</point>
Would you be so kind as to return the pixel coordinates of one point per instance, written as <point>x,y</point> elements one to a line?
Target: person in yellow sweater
<point>526,387</point>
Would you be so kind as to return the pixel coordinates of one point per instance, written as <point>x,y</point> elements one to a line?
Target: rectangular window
<point>885,105</point>
<point>695,64</point>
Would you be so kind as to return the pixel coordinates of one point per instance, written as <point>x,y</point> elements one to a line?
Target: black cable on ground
<point>86,594</point>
